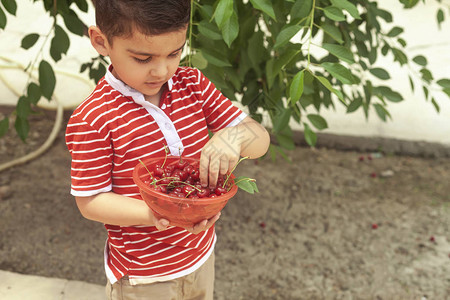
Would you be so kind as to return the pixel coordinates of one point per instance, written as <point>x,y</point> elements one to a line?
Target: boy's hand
<point>161,224</point>
<point>203,225</point>
<point>219,156</point>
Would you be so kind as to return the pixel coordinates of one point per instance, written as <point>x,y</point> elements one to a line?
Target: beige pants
<point>198,285</point>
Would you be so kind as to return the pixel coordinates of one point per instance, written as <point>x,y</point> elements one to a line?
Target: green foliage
<point>269,71</point>
<point>264,53</point>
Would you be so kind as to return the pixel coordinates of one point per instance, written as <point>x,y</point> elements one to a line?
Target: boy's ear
<point>99,40</point>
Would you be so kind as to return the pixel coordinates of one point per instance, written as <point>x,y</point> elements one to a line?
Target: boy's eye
<point>142,61</point>
<point>175,53</point>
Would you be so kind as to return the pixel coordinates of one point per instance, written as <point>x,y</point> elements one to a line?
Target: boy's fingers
<point>224,166</point>
<point>203,169</point>
<point>162,224</point>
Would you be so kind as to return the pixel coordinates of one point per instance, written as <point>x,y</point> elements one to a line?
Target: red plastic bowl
<point>182,212</point>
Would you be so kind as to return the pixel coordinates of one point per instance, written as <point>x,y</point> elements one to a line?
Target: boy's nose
<point>159,71</point>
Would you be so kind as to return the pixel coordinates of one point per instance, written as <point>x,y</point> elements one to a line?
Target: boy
<point>144,102</point>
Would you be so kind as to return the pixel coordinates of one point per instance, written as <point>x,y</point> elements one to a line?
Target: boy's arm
<point>248,139</point>
<point>114,209</point>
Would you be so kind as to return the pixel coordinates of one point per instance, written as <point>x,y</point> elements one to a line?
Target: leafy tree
<point>247,48</point>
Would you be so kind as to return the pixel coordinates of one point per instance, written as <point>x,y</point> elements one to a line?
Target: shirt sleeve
<point>219,111</point>
<point>91,159</point>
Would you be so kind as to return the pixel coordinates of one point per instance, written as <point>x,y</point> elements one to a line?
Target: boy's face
<point>146,63</point>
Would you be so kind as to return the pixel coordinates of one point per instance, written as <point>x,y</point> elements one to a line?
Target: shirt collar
<point>123,88</point>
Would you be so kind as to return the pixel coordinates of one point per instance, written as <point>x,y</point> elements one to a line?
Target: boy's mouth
<point>155,84</point>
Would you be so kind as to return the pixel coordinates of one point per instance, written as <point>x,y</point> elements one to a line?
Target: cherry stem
<point>232,170</point>
<point>166,150</point>
<point>146,168</point>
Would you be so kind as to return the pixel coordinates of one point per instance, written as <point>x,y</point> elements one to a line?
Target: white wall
<point>413,119</point>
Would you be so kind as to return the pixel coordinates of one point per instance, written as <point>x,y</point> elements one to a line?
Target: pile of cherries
<point>182,179</point>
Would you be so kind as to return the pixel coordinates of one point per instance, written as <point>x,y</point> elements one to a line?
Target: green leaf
<point>199,61</point>
<point>10,6</point>
<point>22,127</point>
<point>317,121</point>
<point>281,119</point>
<point>420,60</point>
<point>60,43</point>
<point>333,32</point>
<point>411,83</point>
<point>440,17</point>
<point>296,88</point>
<point>230,29</point>
<point>354,105</point>
<point>348,6</point>
<point>400,56</point>
<point>265,6</point>
<point>4,126</point>
<point>388,93</point>
<point>436,105</point>
<point>301,9</point>
<point>380,73</point>
<point>285,138</point>
<point>244,184</point>
<point>73,23</point>
<point>426,75</point>
<point>328,85</point>
<point>209,30</point>
<point>223,12</point>
<point>425,91</point>
<point>340,52</point>
<point>47,79</point>
<point>23,107</point>
<point>310,136</point>
<point>334,13</point>
<point>339,72</point>
<point>445,83</point>
<point>213,59</point>
<point>82,5</point>
<point>447,91</point>
<point>29,40</point>
<point>34,93</point>
<point>381,111</point>
<point>2,19</point>
<point>395,31</point>
<point>286,34</point>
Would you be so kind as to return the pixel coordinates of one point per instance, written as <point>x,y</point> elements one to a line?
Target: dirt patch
<point>308,234</point>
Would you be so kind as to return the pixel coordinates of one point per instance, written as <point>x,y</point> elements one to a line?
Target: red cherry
<point>159,171</point>
<point>203,193</point>
<point>374,226</point>
<point>165,181</point>
<point>187,189</point>
<point>181,164</point>
<point>195,174</point>
<point>189,168</point>
<point>220,190</point>
<point>262,225</point>
<point>361,158</point>
<point>182,174</point>
<point>373,175</point>
<point>169,169</point>
<point>432,239</point>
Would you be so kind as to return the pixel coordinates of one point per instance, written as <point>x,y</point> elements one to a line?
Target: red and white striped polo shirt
<point>115,127</point>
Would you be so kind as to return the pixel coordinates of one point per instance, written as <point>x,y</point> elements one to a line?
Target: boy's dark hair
<point>150,17</point>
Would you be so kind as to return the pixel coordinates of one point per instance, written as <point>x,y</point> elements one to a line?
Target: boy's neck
<point>155,99</point>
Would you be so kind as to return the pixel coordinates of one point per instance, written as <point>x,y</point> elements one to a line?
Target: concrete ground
<point>14,286</point>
